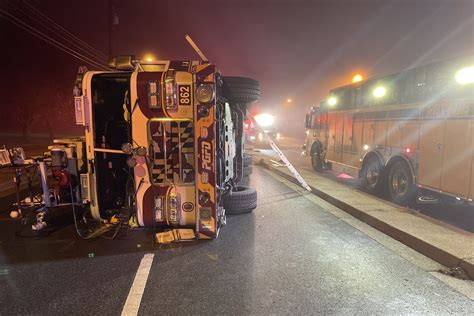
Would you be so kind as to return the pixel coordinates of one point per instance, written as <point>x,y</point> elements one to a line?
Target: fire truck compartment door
<point>457,157</point>
<point>431,153</point>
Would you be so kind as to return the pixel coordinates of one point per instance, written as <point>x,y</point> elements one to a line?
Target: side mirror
<point>112,63</point>
<point>121,62</point>
<point>125,62</point>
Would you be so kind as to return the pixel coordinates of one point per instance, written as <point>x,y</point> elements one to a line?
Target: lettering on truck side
<point>206,149</point>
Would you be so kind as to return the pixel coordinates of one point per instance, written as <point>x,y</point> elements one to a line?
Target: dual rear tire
<point>242,199</point>
<point>241,90</point>
<point>401,184</point>
<point>247,165</point>
<point>397,177</point>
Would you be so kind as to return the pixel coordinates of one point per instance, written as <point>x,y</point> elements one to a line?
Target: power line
<point>55,31</point>
<point>76,40</point>
<point>30,29</point>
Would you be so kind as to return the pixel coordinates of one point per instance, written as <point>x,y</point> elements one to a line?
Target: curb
<point>421,246</point>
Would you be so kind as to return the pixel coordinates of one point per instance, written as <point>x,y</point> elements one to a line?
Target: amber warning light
<point>357,78</point>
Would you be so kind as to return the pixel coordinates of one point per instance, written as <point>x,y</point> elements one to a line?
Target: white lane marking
<point>132,304</point>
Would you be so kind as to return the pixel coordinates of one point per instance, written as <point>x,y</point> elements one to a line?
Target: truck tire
<point>240,200</point>
<point>247,170</point>
<point>400,183</point>
<point>316,159</point>
<point>246,160</point>
<point>241,90</point>
<point>374,175</point>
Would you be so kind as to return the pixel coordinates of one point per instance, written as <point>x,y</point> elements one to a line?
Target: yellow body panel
<point>457,157</point>
<point>431,153</point>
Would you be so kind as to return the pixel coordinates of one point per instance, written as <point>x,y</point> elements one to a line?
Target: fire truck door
<point>471,190</point>
<point>457,157</point>
<point>331,135</point>
<point>431,153</point>
<point>339,131</point>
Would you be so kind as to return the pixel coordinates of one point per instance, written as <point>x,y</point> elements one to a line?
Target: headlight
<point>379,92</point>
<point>141,151</point>
<point>465,75</point>
<point>131,162</point>
<point>332,101</point>
<point>264,119</point>
<point>127,148</point>
<point>205,93</point>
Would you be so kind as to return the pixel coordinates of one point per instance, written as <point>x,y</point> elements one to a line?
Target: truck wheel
<point>247,170</point>
<point>246,160</point>
<point>316,160</point>
<point>373,174</point>
<point>400,183</point>
<point>241,90</point>
<point>241,199</point>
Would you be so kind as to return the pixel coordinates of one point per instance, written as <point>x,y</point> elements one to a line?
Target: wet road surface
<point>290,256</point>
<point>461,216</point>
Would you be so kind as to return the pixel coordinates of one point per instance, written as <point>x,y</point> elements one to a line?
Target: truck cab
<point>164,142</point>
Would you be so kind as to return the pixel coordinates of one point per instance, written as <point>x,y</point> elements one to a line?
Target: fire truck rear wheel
<point>242,199</point>
<point>246,159</point>
<point>241,90</point>
<point>316,159</point>
<point>373,174</point>
<point>400,183</point>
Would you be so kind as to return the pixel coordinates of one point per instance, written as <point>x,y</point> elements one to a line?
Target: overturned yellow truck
<point>164,143</point>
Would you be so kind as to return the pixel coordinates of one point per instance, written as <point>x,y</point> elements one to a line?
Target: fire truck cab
<point>164,143</point>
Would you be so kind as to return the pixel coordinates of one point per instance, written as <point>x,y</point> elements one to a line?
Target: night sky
<point>296,49</point>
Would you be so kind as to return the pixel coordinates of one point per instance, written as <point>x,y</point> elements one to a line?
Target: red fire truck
<point>403,133</point>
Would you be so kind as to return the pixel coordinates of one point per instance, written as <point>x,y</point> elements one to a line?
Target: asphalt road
<point>461,216</point>
<point>290,256</point>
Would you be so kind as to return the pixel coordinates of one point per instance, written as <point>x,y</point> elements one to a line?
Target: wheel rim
<point>399,182</point>
<point>372,175</point>
<point>239,188</point>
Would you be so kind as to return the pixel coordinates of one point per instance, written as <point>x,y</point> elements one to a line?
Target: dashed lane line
<point>132,304</point>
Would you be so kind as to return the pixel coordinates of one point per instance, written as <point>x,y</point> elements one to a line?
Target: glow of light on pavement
<point>344,176</point>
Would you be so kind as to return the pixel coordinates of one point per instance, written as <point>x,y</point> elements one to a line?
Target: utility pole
<point>112,22</point>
